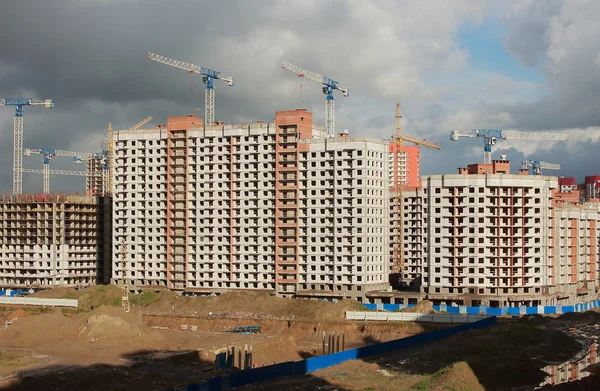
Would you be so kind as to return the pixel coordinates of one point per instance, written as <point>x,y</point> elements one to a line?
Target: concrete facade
<point>271,207</point>
<point>49,240</point>
<point>485,237</point>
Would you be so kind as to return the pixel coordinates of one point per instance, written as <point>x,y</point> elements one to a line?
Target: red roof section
<point>592,179</point>
<point>567,182</point>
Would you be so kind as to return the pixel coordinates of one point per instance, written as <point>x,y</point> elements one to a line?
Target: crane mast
<point>18,135</point>
<point>329,85</point>
<point>209,76</point>
<point>398,185</point>
<point>124,289</point>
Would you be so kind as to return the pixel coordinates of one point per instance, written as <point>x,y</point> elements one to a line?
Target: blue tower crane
<point>18,103</point>
<point>490,136</point>
<point>329,85</point>
<point>209,76</point>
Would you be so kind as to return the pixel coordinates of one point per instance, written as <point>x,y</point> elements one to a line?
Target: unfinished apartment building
<point>577,250</point>
<point>50,240</point>
<point>96,179</point>
<point>274,207</point>
<point>485,236</point>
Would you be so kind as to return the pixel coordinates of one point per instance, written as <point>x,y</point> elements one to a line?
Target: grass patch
<point>144,298</point>
<point>428,381</point>
<point>38,310</point>
<point>71,295</point>
<point>72,311</point>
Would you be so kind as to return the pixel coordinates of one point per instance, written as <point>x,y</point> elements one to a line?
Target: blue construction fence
<point>15,292</point>
<point>295,368</point>
<point>494,311</point>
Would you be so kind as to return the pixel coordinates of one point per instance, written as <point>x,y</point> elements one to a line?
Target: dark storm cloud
<point>560,39</point>
<point>90,56</point>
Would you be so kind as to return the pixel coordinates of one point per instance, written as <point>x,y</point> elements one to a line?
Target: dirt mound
<point>105,326</point>
<point>89,298</point>
<point>36,330</point>
<point>111,326</point>
<point>579,316</point>
<point>459,376</point>
<point>234,301</point>
<point>422,307</point>
<point>250,302</point>
<point>57,293</point>
<point>534,319</point>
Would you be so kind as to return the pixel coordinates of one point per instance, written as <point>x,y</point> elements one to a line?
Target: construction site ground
<point>98,346</point>
<point>507,356</point>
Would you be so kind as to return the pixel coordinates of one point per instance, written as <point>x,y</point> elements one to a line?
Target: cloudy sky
<point>457,64</point>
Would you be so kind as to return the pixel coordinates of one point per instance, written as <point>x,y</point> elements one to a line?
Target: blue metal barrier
<point>493,311</point>
<point>257,375</point>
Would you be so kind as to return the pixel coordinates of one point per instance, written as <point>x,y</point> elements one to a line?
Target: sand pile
<point>422,307</point>
<point>104,327</point>
<point>111,326</point>
<point>459,376</point>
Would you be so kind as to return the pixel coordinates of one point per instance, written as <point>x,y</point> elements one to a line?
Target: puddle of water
<point>574,369</point>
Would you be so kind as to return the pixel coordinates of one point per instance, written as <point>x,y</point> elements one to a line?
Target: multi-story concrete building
<point>48,240</point>
<point>484,236</point>
<point>96,180</point>
<point>576,250</point>
<point>275,207</point>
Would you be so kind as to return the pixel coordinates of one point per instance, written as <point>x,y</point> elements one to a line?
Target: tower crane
<point>491,136</point>
<point>18,135</point>
<point>329,85</point>
<point>398,182</point>
<point>54,172</point>
<point>209,76</point>
<point>141,123</point>
<point>50,153</point>
<point>124,289</point>
<point>538,165</point>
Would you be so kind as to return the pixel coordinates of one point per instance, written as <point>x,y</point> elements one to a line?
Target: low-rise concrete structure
<point>47,240</point>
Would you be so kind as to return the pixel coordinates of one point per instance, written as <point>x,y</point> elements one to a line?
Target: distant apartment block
<point>485,236</point>
<point>591,188</point>
<point>48,240</point>
<point>265,206</point>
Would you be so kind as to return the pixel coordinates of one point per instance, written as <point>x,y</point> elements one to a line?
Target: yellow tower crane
<point>124,290</point>
<point>398,182</point>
